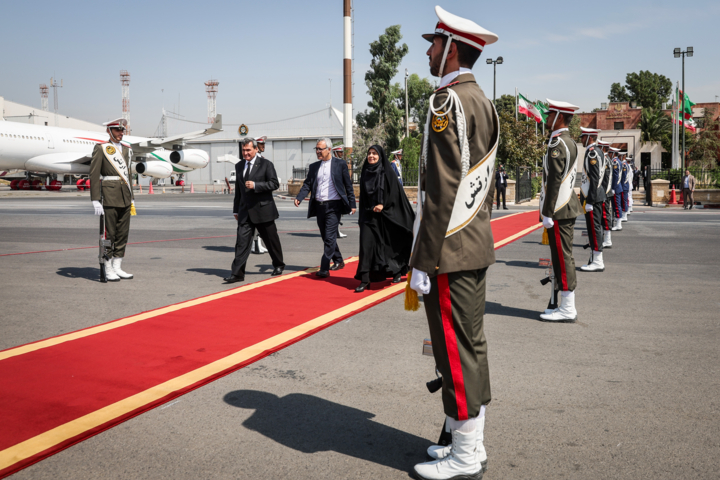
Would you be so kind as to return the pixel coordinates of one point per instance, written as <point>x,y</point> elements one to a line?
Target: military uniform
<point>453,247</point>
<point>627,186</point>
<point>607,210</point>
<point>593,196</point>
<point>110,185</point>
<point>617,189</point>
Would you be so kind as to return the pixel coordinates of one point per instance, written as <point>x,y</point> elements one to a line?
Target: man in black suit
<point>254,208</point>
<point>501,179</point>
<point>331,196</point>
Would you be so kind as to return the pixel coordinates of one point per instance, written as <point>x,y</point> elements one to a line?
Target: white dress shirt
<point>248,166</point>
<point>325,187</point>
<point>447,79</point>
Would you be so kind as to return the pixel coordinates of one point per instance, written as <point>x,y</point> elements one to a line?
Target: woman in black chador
<point>386,221</point>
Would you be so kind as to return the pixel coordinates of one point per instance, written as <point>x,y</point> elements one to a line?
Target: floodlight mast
<point>679,53</point>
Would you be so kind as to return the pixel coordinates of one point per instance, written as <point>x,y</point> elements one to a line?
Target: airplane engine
<point>192,158</point>
<point>153,169</point>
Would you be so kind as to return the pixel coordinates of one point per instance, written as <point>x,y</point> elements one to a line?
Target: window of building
<point>665,159</point>
<point>619,126</point>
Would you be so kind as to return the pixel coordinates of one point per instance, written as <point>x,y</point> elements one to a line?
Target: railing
<point>704,178</point>
<point>523,185</point>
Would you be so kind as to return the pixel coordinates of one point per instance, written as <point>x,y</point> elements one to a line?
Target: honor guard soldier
<point>559,206</point>
<point>397,165</point>
<point>625,182</point>
<point>338,151</point>
<point>257,247</point>
<point>593,196</point>
<point>630,176</point>
<point>607,204</point>
<point>112,196</point>
<point>453,244</point>
<point>616,188</point>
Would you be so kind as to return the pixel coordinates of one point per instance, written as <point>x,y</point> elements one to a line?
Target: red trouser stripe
<point>561,259</point>
<point>451,345</point>
<point>592,231</point>
<point>605,220</point>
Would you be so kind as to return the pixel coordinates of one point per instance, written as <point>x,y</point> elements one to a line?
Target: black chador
<point>386,236</point>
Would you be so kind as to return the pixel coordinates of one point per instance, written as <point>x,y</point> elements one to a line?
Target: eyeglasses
<point>317,149</point>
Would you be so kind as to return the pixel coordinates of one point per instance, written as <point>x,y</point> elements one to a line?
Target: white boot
<point>551,310</point>
<point>341,235</point>
<point>566,312</point>
<point>116,263</point>
<point>463,461</point>
<point>439,452</point>
<point>596,263</point>
<point>261,247</point>
<point>624,217</point>
<point>110,272</point>
<point>607,241</point>
<point>618,224</point>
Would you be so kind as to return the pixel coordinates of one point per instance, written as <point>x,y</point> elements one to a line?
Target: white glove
<point>588,207</point>
<point>548,222</point>
<point>612,192</point>
<point>98,208</point>
<point>420,282</point>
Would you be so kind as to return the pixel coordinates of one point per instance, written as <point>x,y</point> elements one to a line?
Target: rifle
<point>546,262</point>
<point>104,245</point>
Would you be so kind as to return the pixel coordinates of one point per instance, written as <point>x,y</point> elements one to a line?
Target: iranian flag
<point>526,107</point>
<point>686,105</point>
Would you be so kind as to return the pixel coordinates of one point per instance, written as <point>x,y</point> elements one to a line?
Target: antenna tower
<point>44,96</point>
<point>211,87</point>
<point>125,82</point>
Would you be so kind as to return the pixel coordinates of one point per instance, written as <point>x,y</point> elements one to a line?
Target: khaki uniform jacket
<point>114,192</point>
<point>556,160</point>
<point>472,247</point>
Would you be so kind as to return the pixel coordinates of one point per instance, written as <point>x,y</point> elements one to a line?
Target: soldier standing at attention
<point>559,206</point>
<point>397,165</point>
<point>625,181</point>
<point>592,195</point>
<point>453,244</point>
<point>607,204</point>
<point>112,196</point>
<point>616,188</point>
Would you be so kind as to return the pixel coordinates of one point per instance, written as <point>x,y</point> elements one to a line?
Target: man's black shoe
<point>506,208</point>
<point>322,273</point>
<point>361,288</point>
<point>397,278</point>
<point>337,266</point>
<point>233,279</point>
<point>277,271</point>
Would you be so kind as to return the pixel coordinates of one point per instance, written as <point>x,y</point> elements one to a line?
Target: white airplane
<point>48,151</point>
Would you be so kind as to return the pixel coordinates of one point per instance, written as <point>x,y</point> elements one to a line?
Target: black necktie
<point>247,171</point>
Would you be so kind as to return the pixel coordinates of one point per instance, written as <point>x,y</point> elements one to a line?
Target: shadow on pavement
<point>214,248</point>
<point>519,263</point>
<point>311,424</point>
<point>302,234</point>
<point>88,273</point>
<point>216,272</point>
<point>494,308</point>
<point>288,268</point>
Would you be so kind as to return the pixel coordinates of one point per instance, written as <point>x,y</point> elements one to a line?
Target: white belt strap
<point>110,178</point>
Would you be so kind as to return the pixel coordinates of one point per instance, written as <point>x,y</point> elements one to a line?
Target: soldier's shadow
<point>87,273</point>
<point>494,308</point>
<point>311,424</point>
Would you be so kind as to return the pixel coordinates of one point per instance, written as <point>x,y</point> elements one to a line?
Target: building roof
<point>17,112</point>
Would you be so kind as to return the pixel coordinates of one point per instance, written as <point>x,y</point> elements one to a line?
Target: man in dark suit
<point>331,196</point>
<point>254,208</point>
<point>501,179</point>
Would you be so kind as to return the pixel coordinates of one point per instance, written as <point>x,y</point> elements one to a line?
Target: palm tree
<point>654,124</point>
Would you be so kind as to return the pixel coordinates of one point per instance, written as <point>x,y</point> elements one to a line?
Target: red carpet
<point>60,391</point>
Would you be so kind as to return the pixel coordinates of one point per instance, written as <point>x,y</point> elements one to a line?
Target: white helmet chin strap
<point>112,137</point>
<point>552,128</point>
<point>447,47</point>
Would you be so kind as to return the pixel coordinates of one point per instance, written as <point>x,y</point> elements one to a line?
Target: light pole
<point>678,53</point>
<point>495,63</point>
<point>407,109</point>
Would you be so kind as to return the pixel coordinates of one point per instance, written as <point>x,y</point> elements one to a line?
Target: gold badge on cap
<point>440,123</point>
<point>110,150</point>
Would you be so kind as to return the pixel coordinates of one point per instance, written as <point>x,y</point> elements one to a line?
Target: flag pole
<point>516,104</point>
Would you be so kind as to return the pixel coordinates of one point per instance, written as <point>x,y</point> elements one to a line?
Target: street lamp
<point>495,63</point>
<point>679,53</point>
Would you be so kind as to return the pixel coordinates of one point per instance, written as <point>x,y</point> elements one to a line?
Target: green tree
<point>519,145</point>
<point>647,89</point>
<point>654,126</point>
<point>706,147</point>
<point>386,57</point>
<point>419,92</point>
<point>411,147</point>
<point>506,103</point>
<point>574,128</point>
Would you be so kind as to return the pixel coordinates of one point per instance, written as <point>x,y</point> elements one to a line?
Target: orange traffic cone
<point>163,189</point>
<point>192,188</point>
<point>140,185</point>
<point>150,191</point>
<point>673,198</point>
<point>206,188</point>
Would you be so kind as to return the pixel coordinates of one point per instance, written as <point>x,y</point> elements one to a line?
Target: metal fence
<point>704,178</point>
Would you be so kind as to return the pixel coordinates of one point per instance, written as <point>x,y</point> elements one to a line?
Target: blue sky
<point>274,58</point>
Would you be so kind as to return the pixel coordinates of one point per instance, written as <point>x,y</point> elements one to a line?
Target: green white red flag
<point>526,107</point>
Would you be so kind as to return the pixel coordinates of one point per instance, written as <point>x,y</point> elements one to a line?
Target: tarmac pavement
<point>629,391</point>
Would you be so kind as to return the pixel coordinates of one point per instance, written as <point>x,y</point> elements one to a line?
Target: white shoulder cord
<point>452,101</point>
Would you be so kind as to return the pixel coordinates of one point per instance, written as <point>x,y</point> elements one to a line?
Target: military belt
<point>110,178</point>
